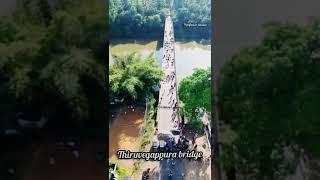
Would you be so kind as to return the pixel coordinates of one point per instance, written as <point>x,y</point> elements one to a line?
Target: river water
<point>189,54</point>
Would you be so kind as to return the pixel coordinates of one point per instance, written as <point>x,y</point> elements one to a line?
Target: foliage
<point>149,125</point>
<point>195,93</point>
<point>8,30</point>
<point>141,17</point>
<point>121,171</point>
<point>132,78</point>
<point>267,94</point>
<point>147,132</point>
<point>54,63</point>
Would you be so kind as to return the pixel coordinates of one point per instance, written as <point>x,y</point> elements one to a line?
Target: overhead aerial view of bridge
<point>168,119</point>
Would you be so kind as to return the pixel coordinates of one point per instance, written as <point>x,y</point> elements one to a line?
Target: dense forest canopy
<point>53,58</point>
<point>270,96</point>
<point>139,18</point>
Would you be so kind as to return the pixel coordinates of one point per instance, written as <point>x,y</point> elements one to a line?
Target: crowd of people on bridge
<point>170,79</point>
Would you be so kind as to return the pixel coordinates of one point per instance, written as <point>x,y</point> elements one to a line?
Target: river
<point>189,54</point>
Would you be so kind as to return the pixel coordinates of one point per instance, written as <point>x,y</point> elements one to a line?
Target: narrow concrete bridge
<point>167,113</point>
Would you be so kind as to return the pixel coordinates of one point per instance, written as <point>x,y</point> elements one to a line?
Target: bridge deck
<point>168,117</point>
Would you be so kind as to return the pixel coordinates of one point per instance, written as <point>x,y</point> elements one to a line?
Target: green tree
<point>261,92</point>
<point>8,30</point>
<point>132,78</point>
<point>195,93</point>
<point>65,74</point>
<point>54,68</point>
<point>123,16</point>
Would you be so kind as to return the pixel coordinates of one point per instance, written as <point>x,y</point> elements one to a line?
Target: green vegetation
<point>52,60</point>
<point>147,131</point>
<point>269,96</point>
<point>132,78</point>
<point>149,125</point>
<point>195,93</point>
<point>141,17</point>
<point>121,171</point>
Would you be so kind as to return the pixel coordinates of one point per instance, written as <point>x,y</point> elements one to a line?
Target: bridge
<point>168,118</point>
<point>167,112</point>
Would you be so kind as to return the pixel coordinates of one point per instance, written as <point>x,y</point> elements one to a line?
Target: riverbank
<point>184,39</point>
<point>180,33</point>
<point>189,54</point>
<point>125,133</point>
